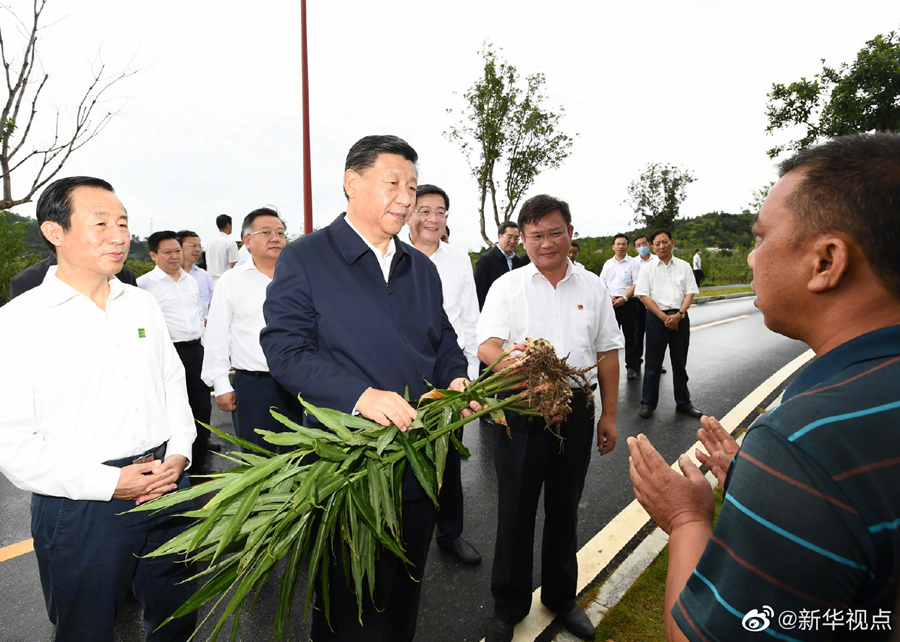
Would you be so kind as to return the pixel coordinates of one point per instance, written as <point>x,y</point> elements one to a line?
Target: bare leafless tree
<point>25,81</point>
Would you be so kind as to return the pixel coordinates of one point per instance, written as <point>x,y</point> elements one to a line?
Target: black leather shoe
<point>631,373</point>
<point>499,631</point>
<point>688,409</point>
<point>577,622</point>
<point>646,411</point>
<point>463,551</point>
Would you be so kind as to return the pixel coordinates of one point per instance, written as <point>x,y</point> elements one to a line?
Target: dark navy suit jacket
<point>490,267</point>
<point>334,327</point>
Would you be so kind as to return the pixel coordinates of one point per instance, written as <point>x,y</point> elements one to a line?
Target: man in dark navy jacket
<point>498,260</point>
<point>353,317</point>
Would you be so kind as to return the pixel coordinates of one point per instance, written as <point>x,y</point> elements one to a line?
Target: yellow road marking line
<point>14,550</point>
<point>605,545</point>
<point>720,322</point>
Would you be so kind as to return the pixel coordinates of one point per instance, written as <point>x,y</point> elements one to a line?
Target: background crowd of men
<point>350,317</point>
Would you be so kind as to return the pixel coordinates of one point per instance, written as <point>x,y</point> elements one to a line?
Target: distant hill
<point>38,247</point>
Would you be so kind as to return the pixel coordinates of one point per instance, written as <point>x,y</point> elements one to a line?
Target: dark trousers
<point>450,514</point>
<point>625,318</point>
<point>255,394</point>
<point>191,354</point>
<point>659,337</point>
<point>698,277</point>
<point>393,614</point>
<point>640,324</point>
<point>526,461</point>
<point>88,555</point>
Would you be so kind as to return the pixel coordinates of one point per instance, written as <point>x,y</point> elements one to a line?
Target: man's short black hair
<point>537,207</point>
<point>696,249</point>
<point>247,225</point>
<point>574,243</point>
<point>422,190</point>
<point>183,234</point>
<point>621,236</point>
<point>223,221</point>
<point>505,225</point>
<point>658,232</point>
<point>852,184</point>
<point>364,152</point>
<point>158,237</point>
<point>639,237</point>
<point>55,204</point>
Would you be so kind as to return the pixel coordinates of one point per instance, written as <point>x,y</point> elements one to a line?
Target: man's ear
<point>53,232</point>
<point>351,182</point>
<point>832,256</point>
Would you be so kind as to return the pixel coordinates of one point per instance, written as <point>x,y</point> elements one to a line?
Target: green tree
<point>758,197</point>
<point>860,97</point>
<point>507,135</point>
<point>13,252</point>
<point>25,80</point>
<point>657,194</point>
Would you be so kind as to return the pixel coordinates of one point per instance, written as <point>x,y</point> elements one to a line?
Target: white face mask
<point>644,251</point>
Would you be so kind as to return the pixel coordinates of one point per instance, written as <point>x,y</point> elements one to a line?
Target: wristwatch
<point>683,314</point>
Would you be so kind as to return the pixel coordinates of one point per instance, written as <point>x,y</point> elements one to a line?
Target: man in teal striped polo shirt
<point>807,545</point>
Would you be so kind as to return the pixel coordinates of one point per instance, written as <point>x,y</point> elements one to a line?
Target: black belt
<point>259,374</point>
<point>195,342</point>
<point>675,311</point>
<point>153,454</point>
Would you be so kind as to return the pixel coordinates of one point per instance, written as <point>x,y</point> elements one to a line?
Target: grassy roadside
<point>638,617</point>
<point>738,289</point>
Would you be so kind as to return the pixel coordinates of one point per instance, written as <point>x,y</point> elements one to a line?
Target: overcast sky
<point>212,123</point>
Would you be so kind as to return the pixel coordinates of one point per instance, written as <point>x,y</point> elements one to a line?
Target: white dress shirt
<point>642,264</point>
<point>460,299</point>
<point>668,284</point>
<point>232,330</point>
<point>576,316</point>
<point>619,276</point>
<point>206,285</point>
<point>179,301</point>
<point>83,385</point>
<point>221,252</point>
<point>384,260</point>
<point>697,262</point>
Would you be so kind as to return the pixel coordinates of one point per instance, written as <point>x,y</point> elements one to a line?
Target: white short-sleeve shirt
<point>619,276</point>
<point>576,316</point>
<point>668,284</point>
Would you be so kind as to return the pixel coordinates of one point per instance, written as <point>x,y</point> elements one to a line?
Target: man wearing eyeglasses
<point>426,225</point>
<point>498,260</point>
<point>190,253</point>
<point>570,307</point>
<point>232,335</point>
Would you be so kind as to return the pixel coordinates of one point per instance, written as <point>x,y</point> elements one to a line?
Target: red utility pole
<point>307,172</point>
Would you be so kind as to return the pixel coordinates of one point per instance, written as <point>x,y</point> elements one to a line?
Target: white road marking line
<point>720,322</point>
<point>605,545</point>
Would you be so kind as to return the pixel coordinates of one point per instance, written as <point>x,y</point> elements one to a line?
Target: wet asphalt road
<point>726,363</point>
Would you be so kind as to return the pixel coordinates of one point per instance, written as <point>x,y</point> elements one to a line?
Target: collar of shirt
<point>384,260</point>
<point>160,275</point>
<point>884,342</point>
<point>532,271</point>
<point>508,256</point>
<point>58,291</point>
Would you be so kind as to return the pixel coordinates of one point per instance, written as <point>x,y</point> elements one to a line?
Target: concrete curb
<point>723,297</point>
